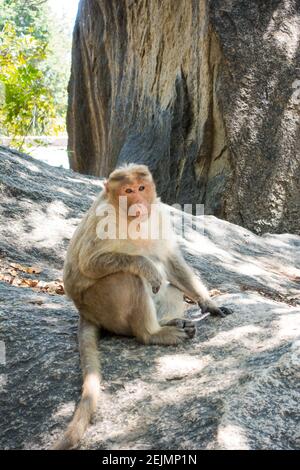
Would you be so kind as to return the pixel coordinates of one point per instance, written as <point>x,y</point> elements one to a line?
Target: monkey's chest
<point>160,267</point>
<point>155,249</point>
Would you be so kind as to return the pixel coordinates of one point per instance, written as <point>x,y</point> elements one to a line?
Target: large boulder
<point>206,92</point>
<point>234,386</point>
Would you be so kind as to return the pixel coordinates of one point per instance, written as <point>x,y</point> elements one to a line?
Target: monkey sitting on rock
<point>125,284</point>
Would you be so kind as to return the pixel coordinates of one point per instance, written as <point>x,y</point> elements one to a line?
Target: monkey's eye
<point>128,190</point>
<point>141,188</point>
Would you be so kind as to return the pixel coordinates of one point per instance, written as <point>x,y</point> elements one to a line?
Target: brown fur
<point>129,287</point>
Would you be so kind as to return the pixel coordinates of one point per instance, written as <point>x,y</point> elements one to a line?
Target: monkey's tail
<point>90,363</point>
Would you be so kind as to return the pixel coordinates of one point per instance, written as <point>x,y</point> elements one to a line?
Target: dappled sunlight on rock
<point>51,306</point>
<point>65,410</point>
<point>288,325</point>
<point>3,381</point>
<point>65,191</point>
<point>48,229</point>
<point>242,334</point>
<point>231,437</point>
<point>285,34</point>
<point>177,366</point>
<point>239,257</point>
<point>30,165</point>
<point>249,269</point>
<point>92,182</point>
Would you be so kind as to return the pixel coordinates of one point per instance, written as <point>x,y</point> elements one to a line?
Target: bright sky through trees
<point>65,8</point>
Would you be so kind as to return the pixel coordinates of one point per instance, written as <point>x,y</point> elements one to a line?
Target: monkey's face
<point>140,194</point>
<point>131,190</point>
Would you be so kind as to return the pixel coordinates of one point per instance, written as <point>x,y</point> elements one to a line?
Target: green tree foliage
<point>28,105</point>
<point>25,15</point>
<point>59,64</point>
<point>33,84</point>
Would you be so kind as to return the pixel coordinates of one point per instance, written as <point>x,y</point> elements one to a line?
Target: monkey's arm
<point>183,277</point>
<point>98,266</point>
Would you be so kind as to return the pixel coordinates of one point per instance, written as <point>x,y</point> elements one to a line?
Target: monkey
<point>127,285</point>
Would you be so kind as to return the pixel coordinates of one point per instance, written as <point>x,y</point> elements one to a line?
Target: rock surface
<point>206,92</point>
<point>235,386</point>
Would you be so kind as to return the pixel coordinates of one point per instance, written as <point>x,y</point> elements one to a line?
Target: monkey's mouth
<point>139,211</point>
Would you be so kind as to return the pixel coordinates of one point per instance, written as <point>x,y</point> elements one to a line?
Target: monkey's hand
<point>153,276</point>
<point>213,309</point>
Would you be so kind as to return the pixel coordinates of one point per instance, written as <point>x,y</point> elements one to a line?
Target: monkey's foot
<point>179,329</point>
<point>221,312</point>
<point>187,326</point>
<point>173,332</point>
<point>214,310</point>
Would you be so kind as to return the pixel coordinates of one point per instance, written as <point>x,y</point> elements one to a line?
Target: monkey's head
<point>134,182</point>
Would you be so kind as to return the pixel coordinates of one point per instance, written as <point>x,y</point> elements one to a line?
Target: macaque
<point>128,285</point>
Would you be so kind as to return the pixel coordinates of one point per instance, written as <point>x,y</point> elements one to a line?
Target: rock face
<point>206,92</point>
<point>234,386</point>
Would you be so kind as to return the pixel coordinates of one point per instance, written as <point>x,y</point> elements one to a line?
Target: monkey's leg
<point>182,276</point>
<point>122,303</point>
<point>170,307</point>
<point>166,305</point>
<point>169,303</point>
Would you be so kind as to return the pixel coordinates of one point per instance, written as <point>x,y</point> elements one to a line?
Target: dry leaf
<point>60,290</point>
<point>41,284</point>
<point>51,287</point>
<point>26,269</point>
<point>33,270</point>
<point>16,266</point>
<point>215,292</point>
<point>11,274</point>
<point>31,282</point>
